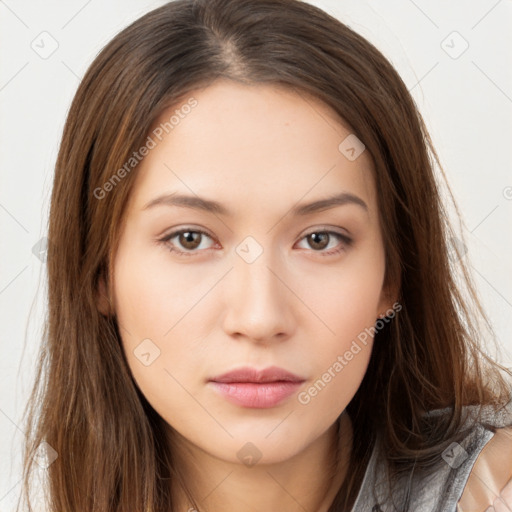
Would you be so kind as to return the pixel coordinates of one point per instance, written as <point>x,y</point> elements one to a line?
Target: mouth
<point>257,389</point>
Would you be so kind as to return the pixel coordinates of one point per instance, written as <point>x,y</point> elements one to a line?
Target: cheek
<point>345,298</point>
<point>340,357</point>
<point>347,303</point>
<point>153,296</point>
<point>157,311</point>
<point>339,376</point>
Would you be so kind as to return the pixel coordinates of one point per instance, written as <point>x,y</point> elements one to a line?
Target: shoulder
<point>454,481</point>
<point>490,474</point>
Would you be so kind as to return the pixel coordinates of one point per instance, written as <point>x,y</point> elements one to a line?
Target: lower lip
<point>254,395</point>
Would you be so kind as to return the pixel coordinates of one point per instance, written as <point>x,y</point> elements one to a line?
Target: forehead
<point>252,145</point>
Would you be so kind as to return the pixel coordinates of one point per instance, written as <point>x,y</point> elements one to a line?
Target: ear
<point>103,297</point>
<point>388,301</point>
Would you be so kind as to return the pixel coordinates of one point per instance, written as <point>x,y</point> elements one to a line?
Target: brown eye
<point>190,239</point>
<point>318,240</point>
<point>321,239</point>
<point>187,241</point>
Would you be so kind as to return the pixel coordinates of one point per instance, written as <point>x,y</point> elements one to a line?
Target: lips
<point>248,374</point>
<point>257,389</point>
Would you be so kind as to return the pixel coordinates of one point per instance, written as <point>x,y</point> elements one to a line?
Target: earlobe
<point>389,304</point>
<point>389,313</point>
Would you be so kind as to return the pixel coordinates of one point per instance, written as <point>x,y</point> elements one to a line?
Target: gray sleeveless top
<point>442,487</point>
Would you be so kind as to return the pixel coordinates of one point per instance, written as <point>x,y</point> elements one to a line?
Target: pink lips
<point>258,389</point>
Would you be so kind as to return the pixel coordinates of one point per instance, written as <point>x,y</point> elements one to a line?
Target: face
<point>255,278</point>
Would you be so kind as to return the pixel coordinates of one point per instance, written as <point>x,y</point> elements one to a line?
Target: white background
<point>466,102</point>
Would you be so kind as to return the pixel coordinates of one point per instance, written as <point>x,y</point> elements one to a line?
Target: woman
<point>253,299</point>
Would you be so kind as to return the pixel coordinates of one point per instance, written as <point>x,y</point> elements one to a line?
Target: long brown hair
<point>112,454</point>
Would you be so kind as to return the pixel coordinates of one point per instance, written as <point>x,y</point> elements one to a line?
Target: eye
<point>191,240</point>
<point>320,239</point>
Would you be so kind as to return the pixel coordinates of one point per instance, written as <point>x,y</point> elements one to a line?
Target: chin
<point>258,447</point>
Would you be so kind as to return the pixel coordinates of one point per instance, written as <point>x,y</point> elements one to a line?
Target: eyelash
<point>165,240</point>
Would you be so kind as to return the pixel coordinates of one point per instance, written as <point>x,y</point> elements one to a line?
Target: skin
<point>258,150</point>
<point>489,474</point>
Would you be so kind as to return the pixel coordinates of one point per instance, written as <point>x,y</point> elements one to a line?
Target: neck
<point>307,481</point>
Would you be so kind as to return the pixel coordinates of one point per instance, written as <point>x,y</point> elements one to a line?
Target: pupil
<point>188,237</point>
<point>315,237</point>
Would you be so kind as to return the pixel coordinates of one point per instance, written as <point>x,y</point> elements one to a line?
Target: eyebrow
<point>208,205</point>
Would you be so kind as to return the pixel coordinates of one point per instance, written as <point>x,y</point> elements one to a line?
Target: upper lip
<point>249,374</point>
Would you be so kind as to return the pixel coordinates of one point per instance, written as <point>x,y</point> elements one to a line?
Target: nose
<point>259,304</point>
